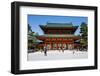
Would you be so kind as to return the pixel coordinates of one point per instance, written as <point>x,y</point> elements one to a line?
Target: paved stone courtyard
<point>56,55</point>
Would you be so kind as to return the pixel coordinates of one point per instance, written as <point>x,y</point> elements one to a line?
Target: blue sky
<point>35,20</point>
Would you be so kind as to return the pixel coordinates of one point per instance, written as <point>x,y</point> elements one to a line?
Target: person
<point>73,52</point>
<point>45,50</point>
<point>63,49</point>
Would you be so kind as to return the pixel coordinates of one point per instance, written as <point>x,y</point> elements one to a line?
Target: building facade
<point>58,36</point>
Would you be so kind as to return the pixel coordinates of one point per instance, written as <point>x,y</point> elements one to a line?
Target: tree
<point>84,35</point>
<point>29,28</point>
<point>32,40</point>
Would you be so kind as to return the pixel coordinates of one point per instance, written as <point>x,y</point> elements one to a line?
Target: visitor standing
<point>45,50</point>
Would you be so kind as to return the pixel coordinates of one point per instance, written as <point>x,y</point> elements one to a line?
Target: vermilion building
<point>58,36</point>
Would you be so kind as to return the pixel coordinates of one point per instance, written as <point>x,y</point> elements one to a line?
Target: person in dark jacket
<point>45,50</point>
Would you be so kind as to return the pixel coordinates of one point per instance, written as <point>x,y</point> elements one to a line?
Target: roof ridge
<point>60,23</point>
<point>58,34</point>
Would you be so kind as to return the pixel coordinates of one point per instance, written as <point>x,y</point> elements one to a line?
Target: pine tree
<point>84,35</point>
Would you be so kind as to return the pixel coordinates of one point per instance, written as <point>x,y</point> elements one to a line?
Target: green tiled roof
<point>34,39</point>
<point>58,25</point>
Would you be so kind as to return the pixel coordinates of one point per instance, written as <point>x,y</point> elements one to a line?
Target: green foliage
<point>29,28</point>
<point>32,40</point>
<point>84,34</point>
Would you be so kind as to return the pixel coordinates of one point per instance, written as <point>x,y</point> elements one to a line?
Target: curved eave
<point>73,28</point>
<point>54,27</point>
<point>42,27</point>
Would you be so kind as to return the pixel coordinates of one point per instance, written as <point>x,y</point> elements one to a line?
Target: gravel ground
<point>54,55</point>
